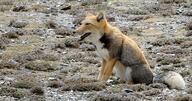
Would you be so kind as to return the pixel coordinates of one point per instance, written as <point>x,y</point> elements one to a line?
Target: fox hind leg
<point>120,71</point>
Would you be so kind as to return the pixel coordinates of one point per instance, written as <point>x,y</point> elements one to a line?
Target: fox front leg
<point>102,69</point>
<point>108,69</point>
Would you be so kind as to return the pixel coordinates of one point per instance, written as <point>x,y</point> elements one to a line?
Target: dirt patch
<point>83,84</point>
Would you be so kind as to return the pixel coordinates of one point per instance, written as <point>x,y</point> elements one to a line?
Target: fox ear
<point>100,16</point>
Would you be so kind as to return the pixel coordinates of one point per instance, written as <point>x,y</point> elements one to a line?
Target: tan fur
<point>120,49</point>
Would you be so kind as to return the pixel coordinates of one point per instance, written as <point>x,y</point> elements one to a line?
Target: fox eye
<point>87,23</point>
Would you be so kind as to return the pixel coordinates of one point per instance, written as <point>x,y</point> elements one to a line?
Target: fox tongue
<point>84,36</point>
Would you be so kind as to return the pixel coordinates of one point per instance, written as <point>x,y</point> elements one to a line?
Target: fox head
<point>92,26</point>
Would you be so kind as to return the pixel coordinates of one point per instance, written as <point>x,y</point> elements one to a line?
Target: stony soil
<point>41,60</point>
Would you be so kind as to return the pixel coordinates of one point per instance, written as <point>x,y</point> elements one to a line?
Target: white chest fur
<point>94,38</point>
<point>102,52</point>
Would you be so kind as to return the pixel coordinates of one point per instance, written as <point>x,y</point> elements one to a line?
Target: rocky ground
<point>40,59</point>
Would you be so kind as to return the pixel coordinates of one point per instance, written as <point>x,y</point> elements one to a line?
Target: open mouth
<point>84,36</point>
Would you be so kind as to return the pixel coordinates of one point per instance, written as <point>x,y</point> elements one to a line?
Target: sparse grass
<point>35,25</point>
<point>83,84</point>
<point>16,50</point>
<point>10,64</point>
<point>37,98</point>
<point>4,8</point>
<point>6,2</point>
<point>6,71</point>
<point>25,81</point>
<point>71,43</point>
<point>4,43</point>
<point>11,35</point>
<point>186,72</point>
<point>41,65</point>
<point>54,84</point>
<point>170,41</point>
<point>38,8</point>
<point>185,97</point>
<point>34,42</point>
<point>11,91</point>
<point>173,1</point>
<point>17,24</point>
<point>167,60</point>
<point>51,24</point>
<point>37,90</point>
<point>189,25</point>
<point>63,32</point>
